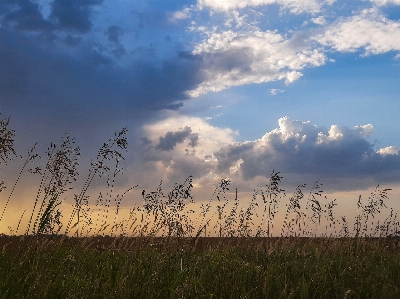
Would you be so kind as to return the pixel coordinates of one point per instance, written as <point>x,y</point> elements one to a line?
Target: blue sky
<point>211,88</point>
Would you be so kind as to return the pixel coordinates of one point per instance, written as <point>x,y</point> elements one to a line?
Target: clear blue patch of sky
<point>391,11</point>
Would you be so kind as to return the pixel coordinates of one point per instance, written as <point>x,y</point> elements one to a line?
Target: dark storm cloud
<point>162,87</point>
<point>119,52</point>
<point>300,148</point>
<point>72,41</point>
<point>57,89</point>
<point>73,14</point>
<point>24,15</point>
<point>113,33</point>
<point>39,78</point>
<point>171,139</point>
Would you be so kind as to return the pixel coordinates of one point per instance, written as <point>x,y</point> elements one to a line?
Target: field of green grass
<point>101,267</point>
<point>166,249</point>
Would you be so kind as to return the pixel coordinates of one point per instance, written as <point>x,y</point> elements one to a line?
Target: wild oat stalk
<point>6,141</point>
<point>6,150</point>
<point>220,191</point>
<point>170,212</point>
<point>292,226</point>
<point>271,200</point>
<point>60,171</point>
<point>50,217</point>
<point>314,205</point>
<point>376,202</point>
<point>30,158</point>
<point>98,167</point>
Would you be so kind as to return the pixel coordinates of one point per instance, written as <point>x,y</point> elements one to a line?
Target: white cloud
<point>294,6</point>
<point>370,31</point>
<point>237,19</point>
<point>235,58</point>
<point>390,150</point>
<point>211,137</point>
<point>180,15</point>
<point>275,91</point>
<point>385,2</point>
<point>320,20</point>
<point>292,76</point>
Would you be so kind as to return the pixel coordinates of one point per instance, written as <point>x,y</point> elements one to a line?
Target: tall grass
<point>176,213</point>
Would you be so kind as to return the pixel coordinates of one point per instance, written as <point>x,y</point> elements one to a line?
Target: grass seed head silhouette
<point>175,213</point>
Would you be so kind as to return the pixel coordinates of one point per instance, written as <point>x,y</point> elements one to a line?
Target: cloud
<point>24,15</point>
<point>294,6</point>
<point>390,150</point>
<point>170,139</point>
<point>70,15</point>
<point>80,72</point>
<point>320,20</point>
<point>202,135</point>
<point>113,33</point>
<point>301,151</point>
<point>385,2</point>
<point>275,91</point>
<point>180,15</point>
<point>236,58</point>
<point>172,153</point>
<point>369,30</point>
<point>301,148</point>
<point>73,15</point>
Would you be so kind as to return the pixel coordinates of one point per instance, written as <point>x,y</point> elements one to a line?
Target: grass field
<point>105,267</point>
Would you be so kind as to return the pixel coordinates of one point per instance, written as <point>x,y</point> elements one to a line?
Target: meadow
<point>171,246</point>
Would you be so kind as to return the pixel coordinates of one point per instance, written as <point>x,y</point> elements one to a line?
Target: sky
<point>211,88</point>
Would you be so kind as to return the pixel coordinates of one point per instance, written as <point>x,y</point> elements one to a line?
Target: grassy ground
<point>100,267</point>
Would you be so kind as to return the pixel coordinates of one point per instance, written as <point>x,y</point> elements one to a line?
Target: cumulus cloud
<point>301,148</point>
<point>235,58</point>
<point>369,30</point>
<point>297,149</point>
<point>294,6</point>
<point>173,153</point>
<point>385,2</point>
<point>202,135</point>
